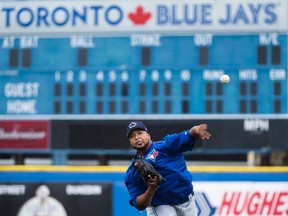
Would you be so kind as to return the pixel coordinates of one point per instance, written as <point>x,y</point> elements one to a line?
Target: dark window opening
<point>13,57</point>
<point>185,88</point>
<point>254,88</point>
<point>124,107</point>
<point>155,89</point>
<point>82,56</point>
<point>82,107</point>
<point>243,90</point>
<point>262,55</point>
<point>99,89</point>
<point>219,106</point>
<point>112,107</point>
<point>208,106</point>
<point>99,107</point>
<point>277,88</point>
<point>57,89</point>
<point>142,106</point>
<point>219,89</point>
<point>243,107</point>
<point>168,106</point>
<point>146,56</point>
<point>112,89</point>
<point>167,89</point>
<point>209,88</point>
<point>124,91</point>
<point>203,56</point>
<point>26,60</point>
<point>276,55</point>
<point>185,106</point>
<point>142,89</point>
<point>69,107</point>
<point>70,89</point>
<point>253,107</point>
<point>82,89</point>
<point>57,107</point>
<point>155,106</point>
<point>277,106</point>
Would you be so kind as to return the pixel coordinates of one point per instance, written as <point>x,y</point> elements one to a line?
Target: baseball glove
<point>145,169</point>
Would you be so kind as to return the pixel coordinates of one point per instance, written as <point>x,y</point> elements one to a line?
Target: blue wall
<point>115,175</point>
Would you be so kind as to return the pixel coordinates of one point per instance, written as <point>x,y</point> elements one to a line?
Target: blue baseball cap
<point>135,125</point>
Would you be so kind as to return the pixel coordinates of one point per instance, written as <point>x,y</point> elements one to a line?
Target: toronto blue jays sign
<point>136,16</point>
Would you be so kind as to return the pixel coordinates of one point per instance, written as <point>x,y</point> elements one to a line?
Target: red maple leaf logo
<point>155,154</point>
<point>139,17</point>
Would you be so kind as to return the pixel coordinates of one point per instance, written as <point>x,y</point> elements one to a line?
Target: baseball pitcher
<point>157,178</point>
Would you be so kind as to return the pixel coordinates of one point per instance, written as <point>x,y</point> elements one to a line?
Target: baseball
<point>224,79</point>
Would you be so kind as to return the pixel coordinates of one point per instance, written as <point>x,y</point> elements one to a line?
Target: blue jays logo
<point>132,124</point>
<point>152,155</point>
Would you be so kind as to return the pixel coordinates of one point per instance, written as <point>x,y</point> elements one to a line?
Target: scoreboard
<point>144,74</point>
<point>49,67</point>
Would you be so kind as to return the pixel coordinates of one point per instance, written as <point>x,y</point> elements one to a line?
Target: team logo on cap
<point>132,124</point>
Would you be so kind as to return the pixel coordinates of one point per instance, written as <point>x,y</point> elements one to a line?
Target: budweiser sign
<point>24,134</point>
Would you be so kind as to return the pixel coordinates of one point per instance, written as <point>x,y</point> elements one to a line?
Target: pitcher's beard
<point>142,148</point>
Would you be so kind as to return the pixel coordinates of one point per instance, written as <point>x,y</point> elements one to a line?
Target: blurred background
<point>73,74</point>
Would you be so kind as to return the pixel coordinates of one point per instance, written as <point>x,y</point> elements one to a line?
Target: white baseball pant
<point>185,209</point>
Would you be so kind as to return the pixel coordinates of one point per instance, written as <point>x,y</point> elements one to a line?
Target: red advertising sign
<point>26,134</point>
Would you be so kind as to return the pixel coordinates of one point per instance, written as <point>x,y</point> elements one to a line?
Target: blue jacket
<point>167,157</point>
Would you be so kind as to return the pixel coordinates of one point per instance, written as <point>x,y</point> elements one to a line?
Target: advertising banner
<point>241,198</point>
<point>56,199</point>
<point>33,134</point>
<point>137,16</point>
<point>245,134</point>
<point>101,191</point>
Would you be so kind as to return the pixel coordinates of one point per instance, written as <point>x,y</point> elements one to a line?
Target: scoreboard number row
<point>112,75</point>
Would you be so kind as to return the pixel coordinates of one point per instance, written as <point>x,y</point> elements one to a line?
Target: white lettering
<point>99,76</point>
<point>17,135</point>
<point>70,76</point>
<point>21,107</point>
<point>168,75</point>
<point>155,75</point>
<point>83,189</point>
<point>124,76</point>
<point>256,125</point>
<point>12,189</point>
<point>277,74</point>
<point>21,89</point>
<point>267,39</point>
<point>142,75</point>
<point>248,74</point>
<point>185,75</point>
<point>203,39</point>
<point>112,76</point>
<point>28,42</point>
<point>145,40</point>
<point>81,41</point>
<point>8,42</point>
<point>213,74</point>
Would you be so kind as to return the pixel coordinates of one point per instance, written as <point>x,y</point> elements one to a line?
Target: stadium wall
<point>83,190</point>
